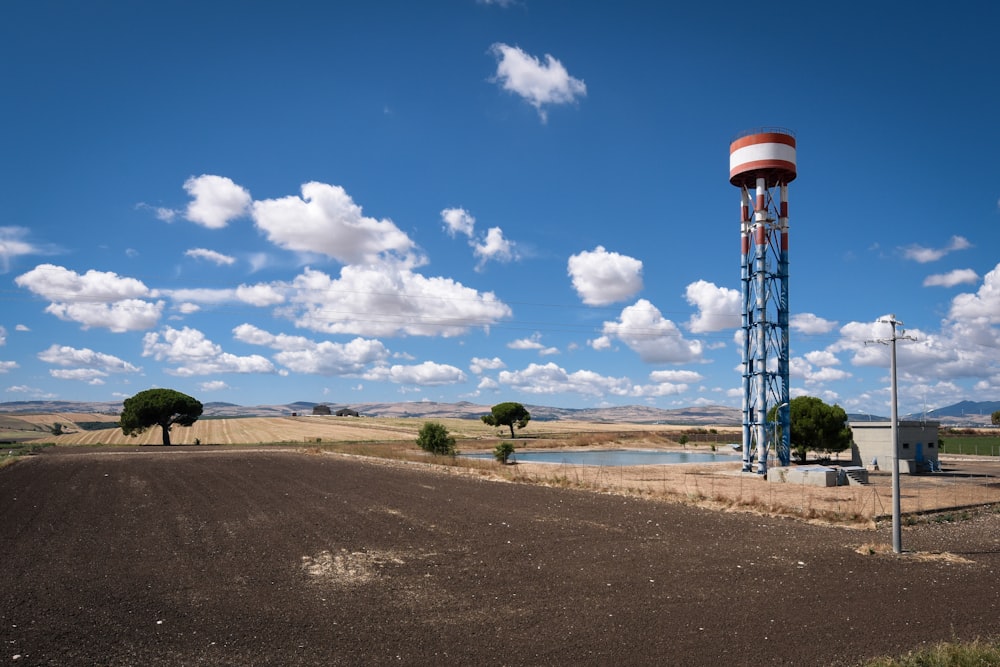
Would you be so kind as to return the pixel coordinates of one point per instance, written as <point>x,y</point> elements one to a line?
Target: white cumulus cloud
<point>984,304</point>
<point>533,342</point>
<point>809,323</point>
<point>94,299</point>
<point>193,354</point>
<point>688,377</point>
<point>389,301</point>
<point>213,385</point>
<point>458,221</point>
<point>210,256</point>
<point>204,295</point>
<point>13,245</point>
<point>642,328</point>
<point>303,355</point>
<point>480,365</point>
<point>215,200</point>
<point>119,316</point>
<point>952,278</point>
<point>822,358</point>
<point>91,376</point>
<point>718,307</point>
<point>426,374</point>
<point>66,356</point>
<point>541,84</point>
<point>326,220</point>
<point>60,284</point>
<point>491,246</point>
<point>260,295</point>
<point>494,247</point>
<point>924,255</point>
<point>602,278</point>
<point>553,379</point>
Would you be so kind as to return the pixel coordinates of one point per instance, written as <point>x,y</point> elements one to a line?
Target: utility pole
<point>897,534</point>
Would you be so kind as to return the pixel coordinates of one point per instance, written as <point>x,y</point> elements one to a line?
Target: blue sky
<point>262,202</point>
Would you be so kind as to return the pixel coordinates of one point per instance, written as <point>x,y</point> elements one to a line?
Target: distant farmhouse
<point>324,410</point>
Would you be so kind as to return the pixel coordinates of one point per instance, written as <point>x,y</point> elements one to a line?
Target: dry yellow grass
<point>258,430</point>
<point>64,418</point>
<point>881,549</point>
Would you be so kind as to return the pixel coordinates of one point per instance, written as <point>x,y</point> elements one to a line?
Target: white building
<point>918,445</point>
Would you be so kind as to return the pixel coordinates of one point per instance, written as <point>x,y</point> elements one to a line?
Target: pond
<point>616,457</point>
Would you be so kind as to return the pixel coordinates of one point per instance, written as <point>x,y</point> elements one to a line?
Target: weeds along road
<point>221,557</point>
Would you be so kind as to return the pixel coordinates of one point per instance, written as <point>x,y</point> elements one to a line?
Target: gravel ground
<point>206,557</point>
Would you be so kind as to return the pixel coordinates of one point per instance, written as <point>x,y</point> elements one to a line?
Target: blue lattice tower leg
<point>783,447</point>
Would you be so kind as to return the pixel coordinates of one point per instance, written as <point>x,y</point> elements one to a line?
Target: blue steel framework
<point>764,292</point>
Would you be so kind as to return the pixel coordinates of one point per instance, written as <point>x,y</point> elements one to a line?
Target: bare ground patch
<point>348,568</point>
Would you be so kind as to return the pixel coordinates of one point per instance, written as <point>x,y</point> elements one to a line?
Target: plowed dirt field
<point>209,556</point>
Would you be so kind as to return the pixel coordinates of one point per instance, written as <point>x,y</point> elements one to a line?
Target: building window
<point>906,445</point>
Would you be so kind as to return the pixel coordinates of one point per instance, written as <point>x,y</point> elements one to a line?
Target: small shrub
<point>503,452</point>
<point>434,438</point>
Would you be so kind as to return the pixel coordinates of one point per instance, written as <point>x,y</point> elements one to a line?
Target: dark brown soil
<point>211,557</point>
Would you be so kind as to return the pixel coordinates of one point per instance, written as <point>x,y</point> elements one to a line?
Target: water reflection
<point>616,457</point>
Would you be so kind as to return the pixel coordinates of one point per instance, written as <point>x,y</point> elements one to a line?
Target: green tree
<point>503,452</point>
<point>508,414</point>
<point>816,426</point>
<point>159,407</point>
<point>434,438</point>
<point>995,418</point>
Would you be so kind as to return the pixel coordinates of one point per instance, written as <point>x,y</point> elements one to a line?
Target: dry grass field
<point>312,429</point>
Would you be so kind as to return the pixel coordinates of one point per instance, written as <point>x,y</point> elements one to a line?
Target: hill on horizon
<point>963,413</point>
<point>706,415</point>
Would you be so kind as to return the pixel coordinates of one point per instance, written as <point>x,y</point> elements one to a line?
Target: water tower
<point>761,165</point>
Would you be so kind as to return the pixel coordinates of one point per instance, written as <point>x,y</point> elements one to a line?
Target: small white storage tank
<point>768,153</point>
